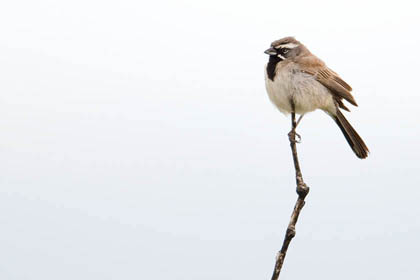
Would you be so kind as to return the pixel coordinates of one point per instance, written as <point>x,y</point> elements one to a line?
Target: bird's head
<point>285,48</point>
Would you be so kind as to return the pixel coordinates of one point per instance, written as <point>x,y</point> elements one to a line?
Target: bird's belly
<point>306,93</point>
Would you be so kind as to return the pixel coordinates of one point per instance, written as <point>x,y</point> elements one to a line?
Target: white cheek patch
<point>287,46</point>
<point>282,57</point>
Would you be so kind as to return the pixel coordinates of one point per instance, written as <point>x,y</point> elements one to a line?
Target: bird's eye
<point>285,51</point>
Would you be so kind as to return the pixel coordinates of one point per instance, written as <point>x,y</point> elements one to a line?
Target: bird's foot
<point>292,136</point>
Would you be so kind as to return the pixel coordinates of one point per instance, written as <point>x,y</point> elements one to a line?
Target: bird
<point>299,82</point>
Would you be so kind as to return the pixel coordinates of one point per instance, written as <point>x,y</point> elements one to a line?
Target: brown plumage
<point>355,141</point>
<point>328,78</point>
<point>340,90</point>
<point>293,72</point>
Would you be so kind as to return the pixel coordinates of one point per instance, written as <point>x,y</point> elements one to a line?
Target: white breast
<point>307,93</point>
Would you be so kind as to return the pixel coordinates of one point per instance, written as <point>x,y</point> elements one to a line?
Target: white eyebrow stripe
<point>288,46</point>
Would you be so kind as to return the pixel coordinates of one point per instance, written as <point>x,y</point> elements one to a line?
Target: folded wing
<point>328,78</point>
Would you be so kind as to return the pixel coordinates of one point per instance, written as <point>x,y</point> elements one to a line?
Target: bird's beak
<point>271,51</point>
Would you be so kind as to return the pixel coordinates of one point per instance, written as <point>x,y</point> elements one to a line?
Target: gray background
<point>137,141</point>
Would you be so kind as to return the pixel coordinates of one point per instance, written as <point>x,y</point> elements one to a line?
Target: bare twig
<point>302,190</point>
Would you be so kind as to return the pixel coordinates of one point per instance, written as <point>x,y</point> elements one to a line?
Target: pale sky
<point>138,142</point>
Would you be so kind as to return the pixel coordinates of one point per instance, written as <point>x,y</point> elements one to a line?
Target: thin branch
<point>302,190</point>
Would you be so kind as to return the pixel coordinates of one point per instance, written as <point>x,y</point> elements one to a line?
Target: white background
<point>137,141</point>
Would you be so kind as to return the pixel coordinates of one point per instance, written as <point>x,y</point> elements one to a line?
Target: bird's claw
<point>292,137</point>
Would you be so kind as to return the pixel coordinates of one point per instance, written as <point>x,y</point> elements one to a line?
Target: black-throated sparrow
<point>295,76</point>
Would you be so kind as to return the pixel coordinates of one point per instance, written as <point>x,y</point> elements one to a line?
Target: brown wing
<point>328,78</point>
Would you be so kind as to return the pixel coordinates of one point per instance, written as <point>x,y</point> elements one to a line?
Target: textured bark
<point>302,190</point>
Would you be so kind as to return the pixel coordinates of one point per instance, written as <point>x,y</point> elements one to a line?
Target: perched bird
<point>294,77</point>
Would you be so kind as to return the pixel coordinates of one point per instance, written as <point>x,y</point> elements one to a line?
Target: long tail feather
<point>355,141</point>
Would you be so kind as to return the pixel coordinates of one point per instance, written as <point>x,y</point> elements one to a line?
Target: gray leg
<point>292,134</point>
<point>300,118</point>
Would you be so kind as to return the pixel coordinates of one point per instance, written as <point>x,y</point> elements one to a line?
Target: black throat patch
<point>271,66</point>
